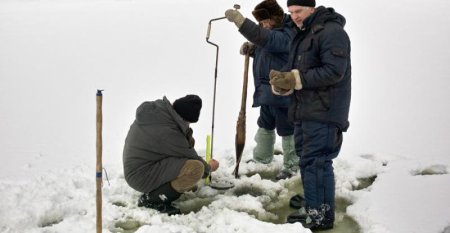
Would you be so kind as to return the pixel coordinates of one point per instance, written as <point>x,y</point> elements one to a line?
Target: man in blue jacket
<point>269,48</point>
<point>319,75</point>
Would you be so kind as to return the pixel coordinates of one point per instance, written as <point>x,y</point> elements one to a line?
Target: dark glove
<point>235,16</point>
<point>247,47</point>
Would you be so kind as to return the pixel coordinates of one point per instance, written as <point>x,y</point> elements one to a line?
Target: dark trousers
<point>271,117</point>
<point>317,144</point>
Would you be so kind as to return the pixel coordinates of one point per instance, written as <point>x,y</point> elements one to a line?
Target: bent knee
<point>191,172</point>
<point>193,168</point>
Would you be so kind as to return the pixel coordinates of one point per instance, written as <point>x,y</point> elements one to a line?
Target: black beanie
<point>266,9</point>
<point>310,3</point>
<point>188,107</point>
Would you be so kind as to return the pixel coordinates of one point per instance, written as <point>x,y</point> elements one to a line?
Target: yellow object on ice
<point>208,156</point>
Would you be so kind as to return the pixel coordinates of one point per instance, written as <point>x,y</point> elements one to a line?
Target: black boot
<point>297,202</point>
<point>161,199</point>
<point>297,216</point>
<point>312,218</point>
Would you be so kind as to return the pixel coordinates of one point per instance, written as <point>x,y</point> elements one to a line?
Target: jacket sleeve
<point>180,146</point>
<point>333,50</point>
<point>276,41</point>
<point>207,168</point>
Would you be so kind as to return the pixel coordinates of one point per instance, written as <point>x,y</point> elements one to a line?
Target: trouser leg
<point>321,143</point>
<point>191,172</point>
<point>298,139</point>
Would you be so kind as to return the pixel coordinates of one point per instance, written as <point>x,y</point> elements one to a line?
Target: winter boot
<point>297,202</point>
<point>290,159</point>
<point>265,140</point>
<point>161,199</point>
<point>285,174</point>
<point>297,216</point>
<point>314,219</point>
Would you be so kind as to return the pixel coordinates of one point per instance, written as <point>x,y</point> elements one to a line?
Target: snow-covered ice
<point>393,169</point>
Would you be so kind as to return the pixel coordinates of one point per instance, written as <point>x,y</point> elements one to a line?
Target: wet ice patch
<point>437,169</point>
<point>127,225</point>
<point>364,182</point>
<point>119,203</point>
<point>375,158</point>
<point>51,218</point>
<point>248,190</point>
<point>359,174</point>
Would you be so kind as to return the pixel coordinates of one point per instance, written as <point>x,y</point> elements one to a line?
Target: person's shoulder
<point>287,21</point>
<point>147,106</point>
<point>287,26</point>
<point>150,103</point>
<point>333,28</point>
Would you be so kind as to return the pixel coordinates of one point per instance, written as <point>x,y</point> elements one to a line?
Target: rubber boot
<point>290,159</point>
<point>265,140</point>
<point>161,199</point>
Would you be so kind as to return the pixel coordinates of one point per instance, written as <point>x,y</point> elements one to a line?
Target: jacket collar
<point>316,21</point>
<point>183,125</point>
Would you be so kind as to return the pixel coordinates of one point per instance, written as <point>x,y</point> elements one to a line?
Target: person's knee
<point>191,172</point>
<point>194,169</point>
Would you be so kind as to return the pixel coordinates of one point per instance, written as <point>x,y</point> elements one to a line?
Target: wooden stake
<point>98,167</point>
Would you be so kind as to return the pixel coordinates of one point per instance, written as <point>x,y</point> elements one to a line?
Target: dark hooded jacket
<point>321,52</point>
<point>271,52</point>
<point>156,147</point>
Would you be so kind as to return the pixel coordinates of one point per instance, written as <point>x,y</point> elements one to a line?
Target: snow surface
<point>54,55</point>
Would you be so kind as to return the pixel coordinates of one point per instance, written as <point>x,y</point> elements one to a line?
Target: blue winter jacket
<point>321,52</point>
<point>272,49</point>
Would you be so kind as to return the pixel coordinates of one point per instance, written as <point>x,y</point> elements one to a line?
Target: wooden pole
<point>240,126</point>
<point>98,167</point>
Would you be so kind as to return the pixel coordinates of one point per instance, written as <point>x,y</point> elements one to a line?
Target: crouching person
<point>159,158</point>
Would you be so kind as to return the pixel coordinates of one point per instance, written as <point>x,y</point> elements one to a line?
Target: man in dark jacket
<point>159,158</point>
<point>269,48</point>
<point>319,70</point>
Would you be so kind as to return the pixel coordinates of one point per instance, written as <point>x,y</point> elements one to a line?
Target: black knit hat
<point>188,107</point>
<point>267,9</point>
<point>310,3</point>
